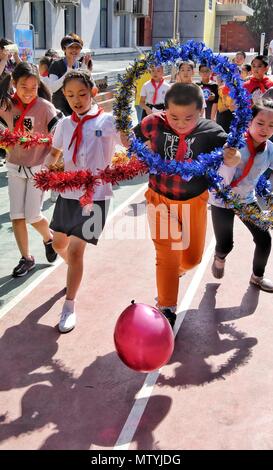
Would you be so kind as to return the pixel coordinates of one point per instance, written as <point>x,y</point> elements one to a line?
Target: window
<point>70,19</point>
<point>2,21</point>
<point>38,21</point>
<point>210,4</point>
<point>103,23</point>
<point>122,31</point>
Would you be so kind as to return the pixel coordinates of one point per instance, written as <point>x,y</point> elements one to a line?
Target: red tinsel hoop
<point>10,139</point>
<point>61,181</point>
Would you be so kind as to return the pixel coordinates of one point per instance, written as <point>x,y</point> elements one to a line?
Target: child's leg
<point>21,236</point>
<point>262,240</point>
<point>195,211</point>
<point>167,245</point>
<point>43,228</point>
<point>75,253</point>
<point>17,187</point>
<point>223,222</point>
<point>33,210</point>
<point>60,244</point>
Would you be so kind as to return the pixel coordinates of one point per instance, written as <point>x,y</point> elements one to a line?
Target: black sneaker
<point>51,255</point>
<point>23,267</point>
<point>171,316</point>
<point>218,267</point>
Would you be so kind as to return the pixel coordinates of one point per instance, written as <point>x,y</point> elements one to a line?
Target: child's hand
<point>124,140</point>
<point>232,156</point>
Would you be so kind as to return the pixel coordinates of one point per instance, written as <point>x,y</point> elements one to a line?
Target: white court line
<point>126,436</point>
<point>4,310</point>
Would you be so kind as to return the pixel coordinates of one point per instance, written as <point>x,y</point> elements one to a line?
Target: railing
<point>233,2</point>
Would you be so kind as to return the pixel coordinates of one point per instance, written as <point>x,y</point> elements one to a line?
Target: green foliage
<point>262,20</point>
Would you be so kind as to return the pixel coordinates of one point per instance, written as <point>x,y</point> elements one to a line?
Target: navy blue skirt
<point>69,218</point>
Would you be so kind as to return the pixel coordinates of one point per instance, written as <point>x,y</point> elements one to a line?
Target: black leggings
<point>223,221</point>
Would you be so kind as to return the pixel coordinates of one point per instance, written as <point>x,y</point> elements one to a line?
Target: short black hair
<point>242,53</point>
<point>247,67</point>
<point>5,42</point>
<point>51,53</point>
<point>71,39</point>
<point>45,60</point>
<point>262,58</point>
<point>184,94</point>
<point>261,105</point>
<point>204,65</point>
<point>186,62</point>
<point>81,76</point>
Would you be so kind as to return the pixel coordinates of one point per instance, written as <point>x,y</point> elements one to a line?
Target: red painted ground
<point>72,391</point>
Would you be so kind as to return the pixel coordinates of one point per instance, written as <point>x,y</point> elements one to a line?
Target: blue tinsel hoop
<point>206,164</point>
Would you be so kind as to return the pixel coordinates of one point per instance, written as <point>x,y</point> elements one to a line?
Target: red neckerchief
<point>19,126</point>
<point>182,145</point>
<point>156,86</point>
<point>252,154</point>
<point>77,134</point>
<point>225,90</point>
<point>252,84</point>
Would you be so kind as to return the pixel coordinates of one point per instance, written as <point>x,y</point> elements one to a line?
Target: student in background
<point>259,82</point>
<point>225,106</point>
<point>139,84</point>
<point>239,59</point>
<point>185,75</point>
<point>210,91</point>
<point>246,72</point>
<point>152,95</point>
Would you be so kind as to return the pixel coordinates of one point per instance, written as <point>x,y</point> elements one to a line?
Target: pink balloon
<point>143,338</point>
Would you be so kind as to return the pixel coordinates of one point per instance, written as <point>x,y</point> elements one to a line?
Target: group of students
<point>86,138</point>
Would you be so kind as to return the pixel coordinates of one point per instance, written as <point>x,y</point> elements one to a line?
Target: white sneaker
<point>68,317</point>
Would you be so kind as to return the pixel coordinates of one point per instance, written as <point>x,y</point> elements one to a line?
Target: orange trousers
<point>178,230</point>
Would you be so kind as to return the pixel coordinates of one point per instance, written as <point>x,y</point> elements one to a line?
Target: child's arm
<point>232,156</point>
<point>213,112</point>
<point>124,139</point>
<point>143,105</point>
<point>52,157</point>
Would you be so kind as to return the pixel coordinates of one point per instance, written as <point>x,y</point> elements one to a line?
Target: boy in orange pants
<point>177,209</point>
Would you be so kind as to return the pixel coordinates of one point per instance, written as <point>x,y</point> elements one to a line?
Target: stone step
<point>107,105</point>
<point>104,96</point>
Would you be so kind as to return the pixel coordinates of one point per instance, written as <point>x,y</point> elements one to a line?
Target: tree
<point>262,20</point>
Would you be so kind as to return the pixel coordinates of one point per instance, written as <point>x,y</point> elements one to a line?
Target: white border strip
<point>4,310</point>
<point>126,436</point>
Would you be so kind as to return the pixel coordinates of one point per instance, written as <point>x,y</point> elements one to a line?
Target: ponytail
<point>5,95</point>
<point>43,92</point>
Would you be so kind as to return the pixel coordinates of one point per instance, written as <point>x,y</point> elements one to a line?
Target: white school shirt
<point>95,152</point>
<point>246,188</point>
<point>148,92</point>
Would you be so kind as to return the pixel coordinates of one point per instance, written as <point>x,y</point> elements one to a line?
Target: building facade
<point>200,20</point>
<point>115,24</point>
<point>101,23</point>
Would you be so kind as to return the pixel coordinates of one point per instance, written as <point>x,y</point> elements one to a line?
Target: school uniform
<point>99,137</point>
<point>22,164</point>
<point>154,94</point>
<point>174,204</point>
<point>243,184</point>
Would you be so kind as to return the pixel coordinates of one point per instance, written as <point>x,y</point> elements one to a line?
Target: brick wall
<point>235,36</point>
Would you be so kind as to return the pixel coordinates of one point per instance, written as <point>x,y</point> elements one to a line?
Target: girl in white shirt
<point>87,140</point>
<point>152,95</point>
